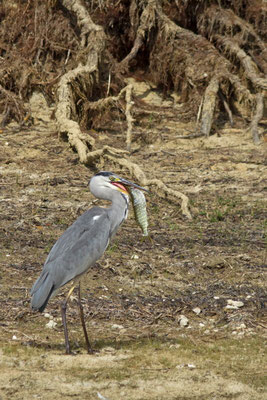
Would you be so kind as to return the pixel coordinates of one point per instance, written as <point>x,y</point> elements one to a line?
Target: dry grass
<point>219,255</point>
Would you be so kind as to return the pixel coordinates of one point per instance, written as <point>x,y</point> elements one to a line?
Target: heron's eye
<point>112,178</point>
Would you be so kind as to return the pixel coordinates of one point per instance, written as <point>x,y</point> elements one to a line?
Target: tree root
<point>119,157</point>
<point>81,79</point>
<point>66,125</point>
<point>256,119</point>
<point>226,107</point>
<point>164,39</point>
<point>225,22</point>
<point>249,66</point>
<point>209,106</point>
<point>151,28</point>
<point>13,105</point>
<point>129,118</point>
<point>167,191</point>
<point>143,26</point>
<point>84,21</point>
<point>168,62</point>
<point>137,44</point>
<point>104,103</point>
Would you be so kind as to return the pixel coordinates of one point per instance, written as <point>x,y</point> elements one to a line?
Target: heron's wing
<point>80,246</point>
<point>85,224</point>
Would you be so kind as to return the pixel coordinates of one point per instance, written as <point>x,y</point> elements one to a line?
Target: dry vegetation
<point>212,55</point>
<point>134,298</point>
<point>170,93</point>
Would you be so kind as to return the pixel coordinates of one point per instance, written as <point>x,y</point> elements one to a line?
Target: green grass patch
<point>241,359</point>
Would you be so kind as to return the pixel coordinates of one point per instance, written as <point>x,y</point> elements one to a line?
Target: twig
<point>67,58</point>
<point>168,152</point>
<point>109,80</point>
<point>193,136</point>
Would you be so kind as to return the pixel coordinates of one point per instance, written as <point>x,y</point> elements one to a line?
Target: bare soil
<point>135,295</point>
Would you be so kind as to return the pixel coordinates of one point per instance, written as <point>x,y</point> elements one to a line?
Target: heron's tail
<point>41,292</point>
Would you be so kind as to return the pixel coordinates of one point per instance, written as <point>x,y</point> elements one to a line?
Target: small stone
<point>191,366</point>
<point>201,324</point>
<point>134,257</point>
<point>51,324</point>
<point>233,304</point>
<point>14,337</point>
<point>216,297</point>
<point>240,327</point>
<point>115,326</point>
<point>183,321</point>
<point>196,310</point>
<point>46,315</point>
<point>207,331</point>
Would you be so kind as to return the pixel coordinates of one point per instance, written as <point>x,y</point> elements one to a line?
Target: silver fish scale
<point>139,205</point>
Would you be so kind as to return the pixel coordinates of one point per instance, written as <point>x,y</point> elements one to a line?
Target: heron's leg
<point>88,345</point>
<point>64,320</point>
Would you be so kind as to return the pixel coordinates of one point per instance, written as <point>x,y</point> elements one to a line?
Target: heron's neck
<point>118,211</point>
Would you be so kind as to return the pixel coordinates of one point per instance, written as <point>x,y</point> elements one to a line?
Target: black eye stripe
<point>104,173</point>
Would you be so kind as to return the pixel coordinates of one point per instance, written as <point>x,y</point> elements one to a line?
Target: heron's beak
<point>126,183</point>
<point>123,185</point>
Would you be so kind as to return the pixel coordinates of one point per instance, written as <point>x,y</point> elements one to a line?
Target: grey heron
<point>82,244</point>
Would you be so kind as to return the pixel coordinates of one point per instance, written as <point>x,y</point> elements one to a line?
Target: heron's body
<point>85,241</point>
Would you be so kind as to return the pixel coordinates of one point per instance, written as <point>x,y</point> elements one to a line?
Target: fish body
<point>139,205</point>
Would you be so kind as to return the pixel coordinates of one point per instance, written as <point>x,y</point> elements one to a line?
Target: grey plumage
<point>84,242</point>
<point>71,256</point>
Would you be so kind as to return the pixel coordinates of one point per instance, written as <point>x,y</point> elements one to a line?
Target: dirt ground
<point>162,313</point>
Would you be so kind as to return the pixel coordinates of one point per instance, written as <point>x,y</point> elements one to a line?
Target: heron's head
<point>103,182</point>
